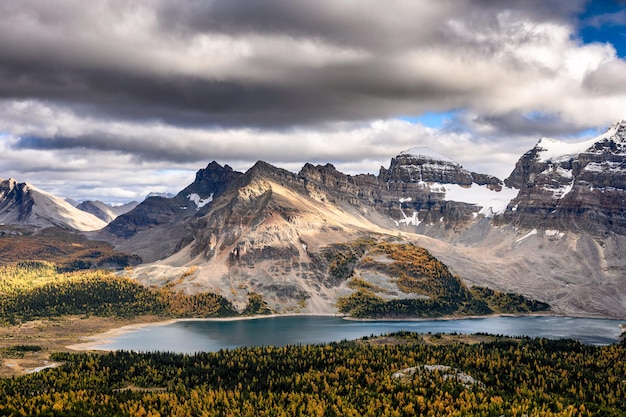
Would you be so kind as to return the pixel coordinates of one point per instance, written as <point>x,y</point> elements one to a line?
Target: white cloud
<point>108,94</point>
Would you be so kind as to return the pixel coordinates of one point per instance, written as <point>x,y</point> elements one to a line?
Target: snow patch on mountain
<point>413,220</point>
<point>560,192</point>
<point>554,233</point>
<point>606,166</point>
<point>526,236</point>
<point>492,202</point>
<point>198,201</point>
<point>427,153</point>
<point>554,150</point>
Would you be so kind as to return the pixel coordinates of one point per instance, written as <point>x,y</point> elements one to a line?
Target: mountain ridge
<point>556,238</point>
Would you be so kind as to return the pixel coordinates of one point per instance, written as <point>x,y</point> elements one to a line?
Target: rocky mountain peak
<point>578,185</point>
<point>8,183</point>
<point>262,172</point>
<point>424,165</point>
<point>211,179</point>
<point>208,184</point>
<point>25,205</point>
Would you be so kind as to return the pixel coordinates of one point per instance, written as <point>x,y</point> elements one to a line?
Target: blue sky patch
<point>605,22</point>
<point>435,120</point>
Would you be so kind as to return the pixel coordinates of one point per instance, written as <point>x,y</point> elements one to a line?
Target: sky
<point>112,99</point>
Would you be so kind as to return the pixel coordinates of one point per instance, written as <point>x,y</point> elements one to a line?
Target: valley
<point>424,239</point>
<point>295,208</point>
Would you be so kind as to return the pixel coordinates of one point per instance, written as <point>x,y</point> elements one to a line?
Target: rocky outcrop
<point>326,183</point>
<point>193,200</point>
<point>16,203</point>
<point>579,186</point>
<point>212,180</point>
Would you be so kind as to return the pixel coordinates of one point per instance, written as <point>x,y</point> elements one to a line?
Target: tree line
<point>517,377</point>
<point>37,289</point>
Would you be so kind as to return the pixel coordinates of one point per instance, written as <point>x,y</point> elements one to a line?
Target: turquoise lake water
<point>211,335</point>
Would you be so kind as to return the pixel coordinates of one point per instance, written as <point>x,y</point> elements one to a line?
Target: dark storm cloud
<point>75,53</point>
<point>119,85</point>
<point>526,124</point>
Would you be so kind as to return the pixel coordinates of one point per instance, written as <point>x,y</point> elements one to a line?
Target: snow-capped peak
<point>554,150</point>
<point>427,153</point>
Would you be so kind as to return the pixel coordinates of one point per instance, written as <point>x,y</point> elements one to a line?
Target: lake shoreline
<point>99,342</point>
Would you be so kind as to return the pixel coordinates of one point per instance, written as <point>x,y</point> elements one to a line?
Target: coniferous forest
<point>404,374</point>
<point>398,375</point>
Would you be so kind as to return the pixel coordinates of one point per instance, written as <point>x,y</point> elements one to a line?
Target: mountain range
<point>554,230</point>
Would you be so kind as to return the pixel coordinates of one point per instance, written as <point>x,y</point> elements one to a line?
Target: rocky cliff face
<point>209,183</point>
<point>426,192</point>
<point>425,165</point>
<point>579,186</point>
<point>16,203</point>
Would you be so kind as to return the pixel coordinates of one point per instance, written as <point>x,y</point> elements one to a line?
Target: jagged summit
<point>555,150</point>
<point>209,182</point>
<point>580,186</point>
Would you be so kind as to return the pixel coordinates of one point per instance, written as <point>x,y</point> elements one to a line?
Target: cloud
<point>82,158</point>
<point>282,63</point>
<point>154,84</point>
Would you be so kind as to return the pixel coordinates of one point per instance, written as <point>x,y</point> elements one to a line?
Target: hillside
<point>66,249</point>
<point>399,280</point>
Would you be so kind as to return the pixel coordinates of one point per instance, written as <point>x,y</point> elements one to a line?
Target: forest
<point>39,289</point>
<point>395,375</point>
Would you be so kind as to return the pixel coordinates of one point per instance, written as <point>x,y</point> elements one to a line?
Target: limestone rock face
<point>579,186</point>
<point>428,192</point>
<point>425,165</point>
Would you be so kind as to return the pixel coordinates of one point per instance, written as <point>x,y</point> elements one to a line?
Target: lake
<point>189,336</point>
